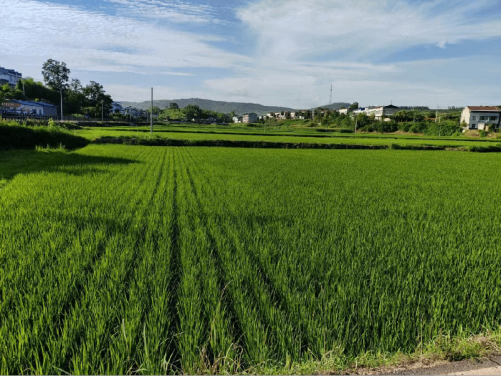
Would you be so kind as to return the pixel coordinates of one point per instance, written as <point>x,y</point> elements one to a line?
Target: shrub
<point>20,137</point>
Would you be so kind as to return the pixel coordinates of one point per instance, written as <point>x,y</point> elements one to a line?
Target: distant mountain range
<point>220,106</point>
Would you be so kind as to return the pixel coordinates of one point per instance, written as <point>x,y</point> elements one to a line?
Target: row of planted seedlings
<point>357,271</point>
<point>206,340</point>
<point>49,258</point>
<point>267,335</point>
<point>66,313</point>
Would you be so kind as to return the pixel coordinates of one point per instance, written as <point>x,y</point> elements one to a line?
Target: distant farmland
<point>134,259</point>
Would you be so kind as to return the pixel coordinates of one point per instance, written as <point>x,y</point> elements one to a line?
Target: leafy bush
<point>21,137</point>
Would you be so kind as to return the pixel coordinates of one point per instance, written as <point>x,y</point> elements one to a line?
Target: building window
<point>494,118</point>
<point>473,126</point>
<point>473,118</point>
<point>484,117</point>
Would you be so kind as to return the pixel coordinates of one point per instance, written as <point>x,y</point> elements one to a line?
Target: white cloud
<point>427,82</point>
<point>95,41</point>
<point>301,47</point>
<point>296,29</point>
<point>173,11</point>
<point>294,51</point>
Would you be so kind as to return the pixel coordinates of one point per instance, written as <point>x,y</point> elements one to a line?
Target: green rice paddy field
<point>209,133</point>
<point>134,259</point>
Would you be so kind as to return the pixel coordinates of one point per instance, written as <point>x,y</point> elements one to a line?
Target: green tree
<point>353,106</point>
<point>56,75</point>
<point>8,92</point>
<point>75,98</point>
<point>192,111</point>
<point>96,98</point>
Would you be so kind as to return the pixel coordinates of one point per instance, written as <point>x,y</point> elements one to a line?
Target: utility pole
<point>151,115</point>
<point>102,111</point>
<point>330,98</point>
<point>24,93</point>
<point>61,94</point>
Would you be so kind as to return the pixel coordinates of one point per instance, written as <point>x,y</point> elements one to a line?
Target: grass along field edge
<point>442,349</point>
<point>163,141</point>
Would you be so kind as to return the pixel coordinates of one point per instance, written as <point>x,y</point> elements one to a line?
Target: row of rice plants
<point>197,260</point>
<point>85,270</point>
<point>378,261</point>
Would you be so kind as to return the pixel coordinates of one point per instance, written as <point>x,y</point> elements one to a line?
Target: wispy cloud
<point>96,41</point>
<point>171,10</point>
<point>290,50</point>
<point>295,29</point>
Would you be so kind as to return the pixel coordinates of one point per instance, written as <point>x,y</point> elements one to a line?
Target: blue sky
<point>274,52</point>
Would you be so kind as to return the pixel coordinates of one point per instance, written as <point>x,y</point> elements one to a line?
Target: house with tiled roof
<point>481,117</point>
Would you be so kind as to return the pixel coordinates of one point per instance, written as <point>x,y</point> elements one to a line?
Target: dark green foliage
<point>20,137</point>
<point>36,90</point>
<point>163,141</point>
<point>56,74</point>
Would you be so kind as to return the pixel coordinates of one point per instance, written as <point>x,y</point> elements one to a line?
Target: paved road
<point>491,366</point>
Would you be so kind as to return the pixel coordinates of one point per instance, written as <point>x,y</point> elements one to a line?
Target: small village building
<point>481,117</point>
<point>29,108</point>
<point>237,119</point>
<point>9,76</point>
<point>249,118</point>
<point>117,108</point>
<point>382,112</point>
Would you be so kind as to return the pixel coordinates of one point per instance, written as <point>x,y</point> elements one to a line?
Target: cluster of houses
<point>23,108</point>
<point>117,108</point>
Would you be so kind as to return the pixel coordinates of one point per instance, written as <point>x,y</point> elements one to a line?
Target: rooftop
<point>484,108</point>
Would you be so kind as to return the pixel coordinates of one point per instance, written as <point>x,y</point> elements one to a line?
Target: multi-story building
<point>481,117</point>
<point>382,112</point>
<point>9,76</point>
<point>249,118</point>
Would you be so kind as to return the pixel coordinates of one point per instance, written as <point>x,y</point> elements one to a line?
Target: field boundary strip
<point>158,141</point>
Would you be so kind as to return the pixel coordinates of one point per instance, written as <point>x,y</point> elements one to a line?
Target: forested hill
<point>206,104</point>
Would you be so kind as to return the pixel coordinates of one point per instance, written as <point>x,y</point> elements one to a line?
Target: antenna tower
<point>330,98</point>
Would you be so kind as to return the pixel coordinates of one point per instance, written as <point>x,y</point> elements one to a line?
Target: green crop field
<point>339,138</point>
<point>133,259</point>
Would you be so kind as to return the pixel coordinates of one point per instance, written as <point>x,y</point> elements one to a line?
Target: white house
<point>237,119</point>
<point>9,76</point>
<point>481,117</point>
<point>380,112</point>
<point>249,118</point>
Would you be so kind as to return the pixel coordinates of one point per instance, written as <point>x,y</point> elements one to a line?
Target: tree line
<point>89,100</point>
